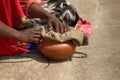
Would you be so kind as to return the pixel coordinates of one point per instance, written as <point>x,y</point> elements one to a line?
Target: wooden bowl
<point>56,50</point>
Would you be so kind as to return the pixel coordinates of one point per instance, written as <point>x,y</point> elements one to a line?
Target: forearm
<point>8,32</point>
<point>35,10</point>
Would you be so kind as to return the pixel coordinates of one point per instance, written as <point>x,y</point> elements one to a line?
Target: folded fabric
<point>75,35</point>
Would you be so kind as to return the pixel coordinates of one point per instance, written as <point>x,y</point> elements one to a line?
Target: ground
<point>103,52</point>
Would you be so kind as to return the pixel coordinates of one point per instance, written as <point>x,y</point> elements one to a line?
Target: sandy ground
<point>102,62</point>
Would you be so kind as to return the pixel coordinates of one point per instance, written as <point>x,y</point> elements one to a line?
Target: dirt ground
<point>103,52</point>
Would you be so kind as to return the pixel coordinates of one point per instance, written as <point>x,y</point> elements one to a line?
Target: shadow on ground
<point>34,55</point>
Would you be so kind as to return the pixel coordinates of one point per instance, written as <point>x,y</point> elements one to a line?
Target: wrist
<point>17,36</point>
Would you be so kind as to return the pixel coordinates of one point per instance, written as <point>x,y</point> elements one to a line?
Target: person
<point>11,14</point>
<point>33,9</point>
<point>57,13</point>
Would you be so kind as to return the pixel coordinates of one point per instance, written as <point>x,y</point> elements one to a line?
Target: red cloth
<point>10,11</point>
<point>84,26</point>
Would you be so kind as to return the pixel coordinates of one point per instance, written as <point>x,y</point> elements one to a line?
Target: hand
<point>55,23</point>
<point>35,10</point>
<point>31,35</point>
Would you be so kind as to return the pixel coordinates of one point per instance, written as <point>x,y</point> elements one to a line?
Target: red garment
<point>10,12</point>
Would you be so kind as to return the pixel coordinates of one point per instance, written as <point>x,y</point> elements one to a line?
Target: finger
<point>66,28</point>
<point>62,28</point>
<point>56,26</point>
<point>36,33</point>
<point>35,39</point>
<point>37,36</point>
<point>40,40</point>
<point>49,26</point>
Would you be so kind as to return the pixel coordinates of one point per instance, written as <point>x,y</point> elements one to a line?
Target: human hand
<point>54,22</point>
<point>35,10</point>
<point>31,35</point>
